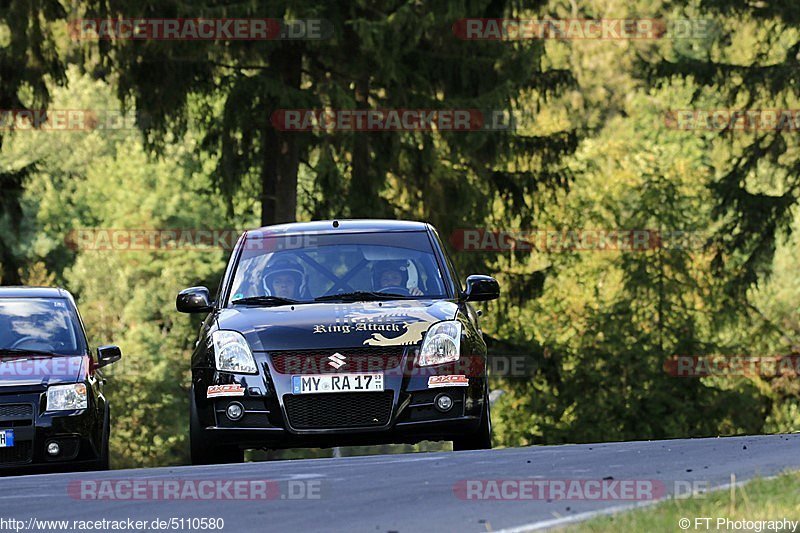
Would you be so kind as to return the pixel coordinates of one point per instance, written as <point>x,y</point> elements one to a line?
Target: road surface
<point>412,492</point>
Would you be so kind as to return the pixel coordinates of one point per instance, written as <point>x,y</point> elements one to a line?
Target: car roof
<point>343,226</point>
<point>34,292</point>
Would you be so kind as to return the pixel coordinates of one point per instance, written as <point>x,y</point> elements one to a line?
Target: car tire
<point>204,453</point>
<point>104,463</point>
<point>482,438</point>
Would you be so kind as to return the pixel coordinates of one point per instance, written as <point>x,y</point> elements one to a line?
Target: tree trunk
<point>11,188</point>
<point>280,149</point>
<point>9,275</point>
<point>269,173</point>
<point>363,193</point>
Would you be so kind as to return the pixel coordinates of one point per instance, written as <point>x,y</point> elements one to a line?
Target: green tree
<point>29,65</point>
<point>752,64</point>
<point>391,55</point>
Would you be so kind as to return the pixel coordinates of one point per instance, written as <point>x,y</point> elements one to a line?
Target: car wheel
<point>482,438</point>
<point>104,463</point>
<point>202,452</point>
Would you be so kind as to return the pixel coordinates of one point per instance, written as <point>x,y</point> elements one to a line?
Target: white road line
<point>32,496</point>
<point>580,517</point>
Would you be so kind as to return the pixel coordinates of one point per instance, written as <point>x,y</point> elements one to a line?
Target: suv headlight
<point>232,352</point>
<point>442,344</point>
<point>67,397</point>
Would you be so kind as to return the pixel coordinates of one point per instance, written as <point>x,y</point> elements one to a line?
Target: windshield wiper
<point>265,301</point>
<point>360,296</point>
<point>22,351</point>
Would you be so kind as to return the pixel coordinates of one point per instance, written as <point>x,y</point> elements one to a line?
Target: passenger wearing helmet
<point>285,279</point>
<point>388,274</point>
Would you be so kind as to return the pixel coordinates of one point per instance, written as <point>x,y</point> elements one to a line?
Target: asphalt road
<point>413,492</point>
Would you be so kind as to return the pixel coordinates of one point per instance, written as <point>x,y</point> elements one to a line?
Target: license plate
<point>337,383</point>
<point>7,438</point>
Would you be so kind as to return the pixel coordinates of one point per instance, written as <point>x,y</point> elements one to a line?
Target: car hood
<point>22,370</point>
<point>335,325</point>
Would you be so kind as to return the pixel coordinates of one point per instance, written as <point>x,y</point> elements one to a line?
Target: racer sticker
<point>216,391</point>
<point>398,324</point>
<point>448,381</point>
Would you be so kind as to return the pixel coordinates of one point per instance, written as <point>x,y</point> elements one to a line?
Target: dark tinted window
<point>309,266</point>
<point>42,324</point>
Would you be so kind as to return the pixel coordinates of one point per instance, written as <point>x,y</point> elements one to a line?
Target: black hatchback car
<point>338,333</point>
<point>53,413</point>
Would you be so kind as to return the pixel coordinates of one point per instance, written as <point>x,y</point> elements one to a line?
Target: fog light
<point>235,411</point>
<point>53,449</point>
<point>443,402</point>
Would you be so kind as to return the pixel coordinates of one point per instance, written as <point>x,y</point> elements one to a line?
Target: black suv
<point>52,410</point>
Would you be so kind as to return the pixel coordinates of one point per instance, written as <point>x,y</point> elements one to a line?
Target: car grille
<point>16,415</point>
<point>21,452</point>
<point>16,410</point>
<point>362,359</point>
<point>345,410</point>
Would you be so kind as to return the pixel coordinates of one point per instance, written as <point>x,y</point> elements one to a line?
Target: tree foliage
<point>29,66</point>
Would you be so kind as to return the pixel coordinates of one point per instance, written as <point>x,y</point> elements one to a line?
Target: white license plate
<point>337,383</point>
<point>7,438</point>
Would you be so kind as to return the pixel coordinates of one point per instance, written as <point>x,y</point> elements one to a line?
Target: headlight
<point>442,344</point>
<point>67,397</point>
<point>233,353</point>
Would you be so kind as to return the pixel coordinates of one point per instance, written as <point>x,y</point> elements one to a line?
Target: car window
<point>304,269</point>
<point>42,324</point>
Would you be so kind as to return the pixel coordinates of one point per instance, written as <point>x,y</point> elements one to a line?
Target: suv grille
<point>361,359</point>
<point>345,410</point>
<point>16,410</point>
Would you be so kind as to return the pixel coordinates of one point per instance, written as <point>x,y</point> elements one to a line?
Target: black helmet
<point>282,267</point>
<point>384,266</point>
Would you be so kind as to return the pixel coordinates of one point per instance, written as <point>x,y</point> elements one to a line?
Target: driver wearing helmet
<point>285,279</point>
<point>387,274</point>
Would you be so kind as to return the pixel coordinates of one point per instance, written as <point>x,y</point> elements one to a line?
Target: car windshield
<point>356,265</point>
<point>40,325</point>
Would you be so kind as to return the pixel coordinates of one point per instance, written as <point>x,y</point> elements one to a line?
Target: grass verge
<point>758,502</point>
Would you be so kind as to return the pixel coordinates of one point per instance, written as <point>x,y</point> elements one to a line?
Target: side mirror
<point>194,300</point>
<point>107,355</point>
<point>481,288</point>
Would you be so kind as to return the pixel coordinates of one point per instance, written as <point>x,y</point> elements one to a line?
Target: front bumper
<point>407,414</point>
<point>75,431</point>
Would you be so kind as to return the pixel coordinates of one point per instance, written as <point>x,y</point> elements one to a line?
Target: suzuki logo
<point>337,360</point>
